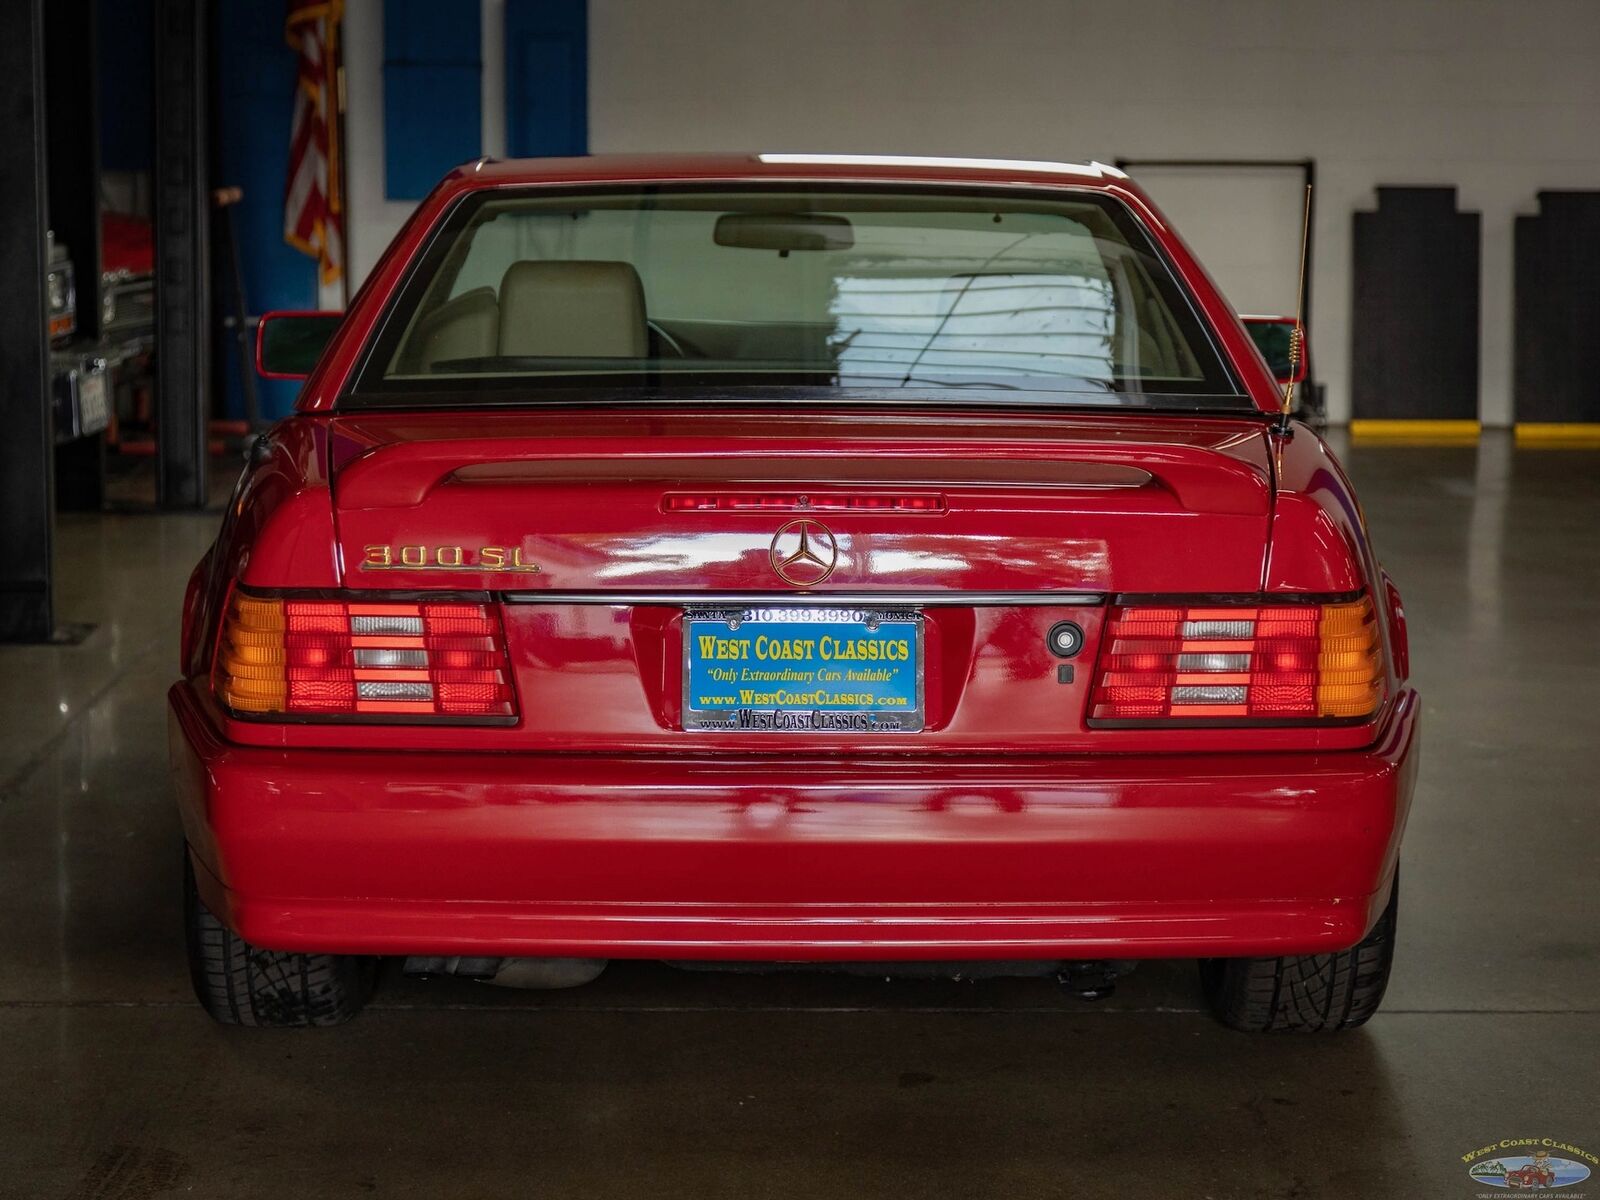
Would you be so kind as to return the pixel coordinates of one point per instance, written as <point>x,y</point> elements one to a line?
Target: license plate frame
<point>743,624</point>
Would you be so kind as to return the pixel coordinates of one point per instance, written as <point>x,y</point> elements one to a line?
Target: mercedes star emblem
<point>804,553</point>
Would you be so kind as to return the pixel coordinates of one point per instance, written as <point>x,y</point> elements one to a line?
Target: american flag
<point>313,200</point>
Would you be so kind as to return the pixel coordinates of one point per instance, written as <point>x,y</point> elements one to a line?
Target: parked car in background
<point>89,374</point>
<point>79,381</point>
<point>127,278</point>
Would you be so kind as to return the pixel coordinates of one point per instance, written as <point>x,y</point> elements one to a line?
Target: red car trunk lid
<point>578,501</point>
<point>1019,522</point>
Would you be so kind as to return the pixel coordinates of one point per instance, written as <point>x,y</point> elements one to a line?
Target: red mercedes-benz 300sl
<point>789,559</point>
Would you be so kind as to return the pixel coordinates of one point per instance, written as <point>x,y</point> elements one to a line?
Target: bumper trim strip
<point>854,599</point>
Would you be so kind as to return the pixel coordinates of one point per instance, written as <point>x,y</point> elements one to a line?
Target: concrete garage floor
<point>656,1082</point>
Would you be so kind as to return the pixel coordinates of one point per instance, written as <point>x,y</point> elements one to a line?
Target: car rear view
<point>785,560</point>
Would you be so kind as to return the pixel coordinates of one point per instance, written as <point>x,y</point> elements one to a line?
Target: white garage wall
<point>1497,97</point>
<point>1245,223</point>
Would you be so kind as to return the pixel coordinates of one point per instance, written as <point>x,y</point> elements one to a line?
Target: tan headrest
<point>575,309</point>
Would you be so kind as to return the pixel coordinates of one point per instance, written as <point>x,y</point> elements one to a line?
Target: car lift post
<point>72,120</point>
<point>27,517</point>
<point>183,301</point>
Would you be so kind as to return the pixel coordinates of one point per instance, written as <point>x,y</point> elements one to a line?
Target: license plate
<point>94,413</point>
<point>802,670</point>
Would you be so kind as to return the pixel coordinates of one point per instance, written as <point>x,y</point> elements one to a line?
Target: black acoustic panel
<point>1414,328</point>
<point>1557,321</point>
<point>26,437</point>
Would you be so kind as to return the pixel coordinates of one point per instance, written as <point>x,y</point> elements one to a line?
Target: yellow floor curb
<point>1415,432</point>
<point>1558,435</point>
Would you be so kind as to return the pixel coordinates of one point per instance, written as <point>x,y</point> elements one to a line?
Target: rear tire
<point>1308,993</point>
<point>241,984</point>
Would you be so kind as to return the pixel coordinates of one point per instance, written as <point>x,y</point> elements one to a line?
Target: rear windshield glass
<point>667,291</point>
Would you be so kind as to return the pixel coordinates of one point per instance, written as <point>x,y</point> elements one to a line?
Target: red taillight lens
<point>1291,662</point>
<point>336,659</point>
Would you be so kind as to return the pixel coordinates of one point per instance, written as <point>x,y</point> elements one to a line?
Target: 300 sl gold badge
<point>445,558</point>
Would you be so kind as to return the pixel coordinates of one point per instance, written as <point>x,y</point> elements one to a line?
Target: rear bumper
<point>704,856</point>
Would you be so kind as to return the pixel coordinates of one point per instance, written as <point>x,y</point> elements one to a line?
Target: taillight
<point>1285,662</point>
<point>347,659</point>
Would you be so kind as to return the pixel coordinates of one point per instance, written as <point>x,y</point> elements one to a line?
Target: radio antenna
<point>1297,336</point>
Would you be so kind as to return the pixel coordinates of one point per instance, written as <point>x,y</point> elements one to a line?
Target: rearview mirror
<point>1274,337</point>
<point>784,231</point>
<point>288,344</point>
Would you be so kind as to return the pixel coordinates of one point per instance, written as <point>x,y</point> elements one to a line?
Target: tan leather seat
<point>578,309</point>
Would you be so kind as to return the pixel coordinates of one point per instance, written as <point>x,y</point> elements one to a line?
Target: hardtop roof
<point>765,166</point>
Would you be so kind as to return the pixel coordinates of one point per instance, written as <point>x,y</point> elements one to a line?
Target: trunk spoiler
<point>1201,478</point>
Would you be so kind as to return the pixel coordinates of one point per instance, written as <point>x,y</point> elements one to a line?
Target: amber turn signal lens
<point>250,674</point>
<point>1350,664</point>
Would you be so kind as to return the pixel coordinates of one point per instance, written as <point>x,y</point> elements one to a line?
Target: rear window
<point>668,293</point>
